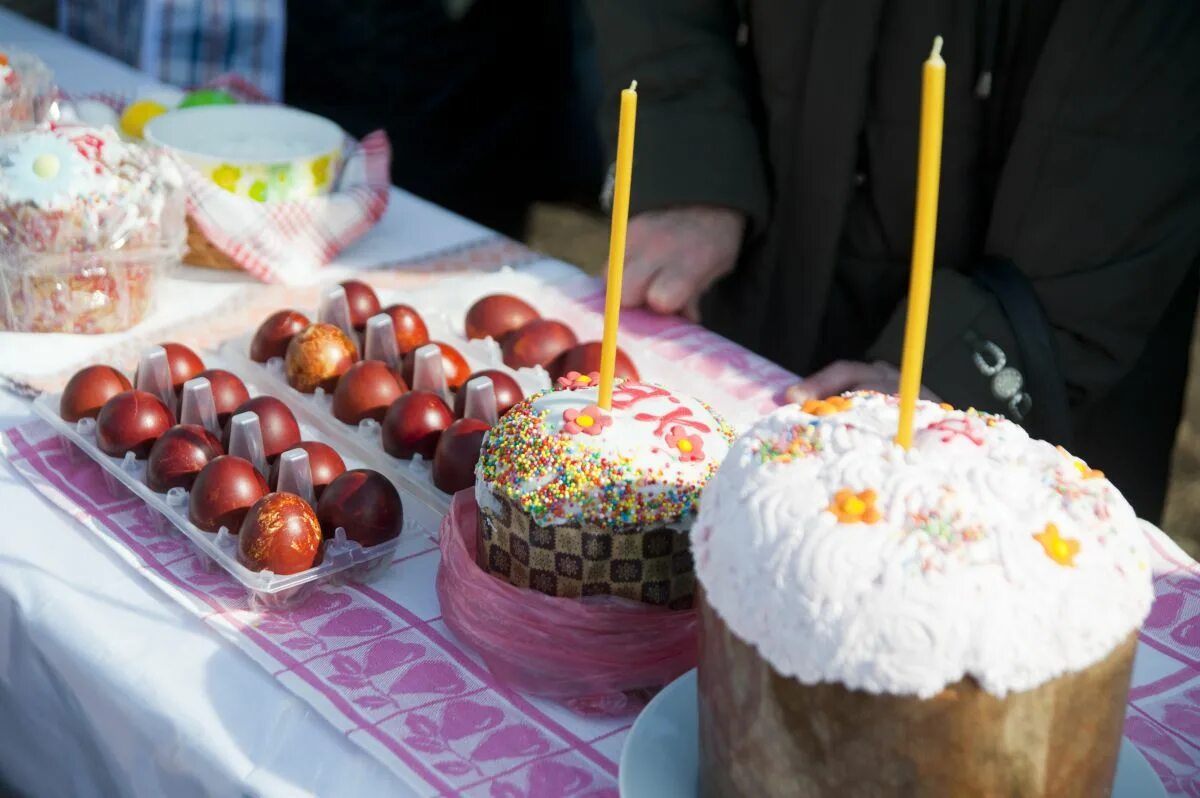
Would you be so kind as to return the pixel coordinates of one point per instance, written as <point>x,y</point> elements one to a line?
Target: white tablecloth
<point>107,687</point>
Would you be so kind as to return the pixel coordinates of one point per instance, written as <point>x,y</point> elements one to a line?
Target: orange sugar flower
<point>826,407</point>
<point>1061,550</point>
<point>1086,472</point>
<point>853,508</point>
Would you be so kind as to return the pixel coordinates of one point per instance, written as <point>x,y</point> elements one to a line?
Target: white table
<point>73,618</point>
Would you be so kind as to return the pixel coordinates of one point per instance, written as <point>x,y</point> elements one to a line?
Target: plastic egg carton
<point>343,560</point>
<point>378,342</point>
<point>552,287</point>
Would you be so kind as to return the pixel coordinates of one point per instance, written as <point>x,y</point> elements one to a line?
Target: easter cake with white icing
<point>958,618</point>
<point>579,501</point>
<point>87,222</point>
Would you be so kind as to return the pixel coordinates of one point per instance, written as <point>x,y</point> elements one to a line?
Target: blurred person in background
<point>774,185</point>
<point>185,43</point>
<point>489,104</point>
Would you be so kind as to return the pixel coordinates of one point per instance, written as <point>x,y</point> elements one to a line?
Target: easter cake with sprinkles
<point>580,501</point>
<point>954,618</point>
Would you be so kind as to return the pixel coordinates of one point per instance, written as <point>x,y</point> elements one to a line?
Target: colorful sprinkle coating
<point>801,441</point>
<point>635,479</point>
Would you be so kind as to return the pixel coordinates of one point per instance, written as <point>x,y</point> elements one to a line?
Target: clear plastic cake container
<point>343,560</point>
<point>362,441</point>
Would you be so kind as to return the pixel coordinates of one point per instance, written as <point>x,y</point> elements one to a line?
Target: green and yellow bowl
<point>267,153</point>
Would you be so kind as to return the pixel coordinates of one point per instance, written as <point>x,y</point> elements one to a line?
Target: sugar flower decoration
<point>591,420</point>
<point>826,407</point>
<point>574,380</point>
<point>689,447</point>
<point>854,508</point>
<point>1061,550</point>
<point>42,167</point>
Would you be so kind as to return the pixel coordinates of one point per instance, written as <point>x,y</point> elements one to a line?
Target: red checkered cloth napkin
<point>282,242</point>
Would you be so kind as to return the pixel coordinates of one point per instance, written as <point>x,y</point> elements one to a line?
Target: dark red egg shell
<point>508,392</point>
<point>272,337</point>
<point>585,358</point>
<point>88,390</point>
<point>281,534</point>
<point>457,454</point>
<point>537,343</point>
<point>413,424</point>
<point>280,431</point>
<point>364,503</point>
<point>131,421</point>
<point>184,363</point>
<point>410,328</point>
<point>324,464</point>
<point>367,390</point>
<point>317,356</point>
<point>179,455</point>
<point>363,302</point>
<point>496,315</point>
<point>454,366</point>
<point>224,491</point>
<point>228,390</point>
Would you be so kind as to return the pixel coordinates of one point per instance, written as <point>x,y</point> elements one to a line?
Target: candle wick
<point>633,86</point>
<point>937,48</point>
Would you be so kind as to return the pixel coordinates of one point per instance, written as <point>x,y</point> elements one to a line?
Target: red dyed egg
<point>367,390</point>
<point>410,328</point>
<point>224,491</point>
<point>457,453</point>
<point>413,424</point>
<point>280,431</point>
<point>324,464</point>
<point>88,390</point>
<point>508,392</point>
<point>364,503</point>
<point>362,300</point>
<point>585,358</point>
<point>537,343</point>
<point>454,366</point>
<point>179,455</point>
<point>317,356</point>
<point>272,337</point>
<point>228,391</point>
<point>280,533</point>
<point>184,363</point>
<point>131,422</point>
<point>495,315</point>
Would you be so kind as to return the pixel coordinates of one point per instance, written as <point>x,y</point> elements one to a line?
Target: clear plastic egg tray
<point>342,560</point>
<point>378,342</point>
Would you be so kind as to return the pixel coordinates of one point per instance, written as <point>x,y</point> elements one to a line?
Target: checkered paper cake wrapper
<point>599,654</point>
<point>286,241</point>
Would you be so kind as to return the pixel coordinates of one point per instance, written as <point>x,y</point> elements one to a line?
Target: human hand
<point>851,375</point>
<point>673,255</point>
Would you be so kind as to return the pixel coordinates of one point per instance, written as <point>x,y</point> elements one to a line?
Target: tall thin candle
<point>929,167</point>
<point>616,244</point>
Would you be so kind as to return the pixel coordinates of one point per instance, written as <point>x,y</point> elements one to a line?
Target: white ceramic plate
<point>661,755</point>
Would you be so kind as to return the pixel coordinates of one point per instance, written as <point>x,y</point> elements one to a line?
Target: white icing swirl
<point>979,552</point>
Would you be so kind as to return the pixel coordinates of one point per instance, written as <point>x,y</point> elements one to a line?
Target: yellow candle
<point>616,243</point>
<point>929,168</point>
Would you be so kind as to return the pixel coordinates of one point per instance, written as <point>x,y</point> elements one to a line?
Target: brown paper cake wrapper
<point>652,565</point>
<point>768,736</point>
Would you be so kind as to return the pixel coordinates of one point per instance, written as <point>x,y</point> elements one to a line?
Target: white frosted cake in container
<point>956,619</point>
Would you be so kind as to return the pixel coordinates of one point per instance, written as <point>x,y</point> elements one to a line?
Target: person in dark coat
<point>774,185</point>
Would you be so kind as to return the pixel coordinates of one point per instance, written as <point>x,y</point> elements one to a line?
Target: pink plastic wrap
<point>600,655</point>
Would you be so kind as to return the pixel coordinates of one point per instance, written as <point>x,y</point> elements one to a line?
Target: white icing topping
<point>652,454</point>
<point>981,552</point>
<point>53,169</point>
